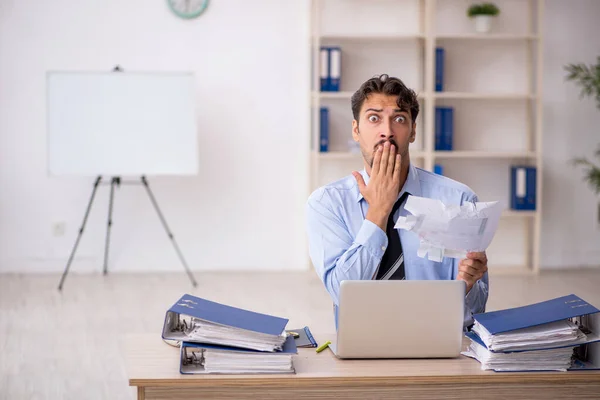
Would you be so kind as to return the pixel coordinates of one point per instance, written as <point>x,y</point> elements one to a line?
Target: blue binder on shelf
<point>189,306</point>
<point>324,130</point>
<point>335,68</point>
<point>190,362</point>
<point>523,187</point>
<point>447,127</point>
<point>330,70</point>
<point>444,128</point>
<point>439,121</point>
<point>324,69</point>
<point>438,169</point>
<point>439,69</point>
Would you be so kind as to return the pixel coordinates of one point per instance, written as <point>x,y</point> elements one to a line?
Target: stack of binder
<point>217,338</point>
<point>554,335</point>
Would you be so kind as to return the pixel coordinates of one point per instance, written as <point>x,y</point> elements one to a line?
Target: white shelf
<point>378,37</point>
<point>518,214</point>
<point>440,95</point>
<point>483,96</point>
<point>489,36</point>
<point>476,70</point>
<point>333,95</point>
<point>485,154</point>
<point>343,95</point>
<point>346,155</point>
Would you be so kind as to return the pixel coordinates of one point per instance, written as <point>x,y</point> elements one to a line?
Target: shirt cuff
<point>373,238</point>
<point>471,296</point>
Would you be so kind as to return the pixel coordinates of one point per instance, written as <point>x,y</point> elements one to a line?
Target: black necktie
<point>392,262</point>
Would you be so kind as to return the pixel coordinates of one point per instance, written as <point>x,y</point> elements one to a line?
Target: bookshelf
<point>493,81</point>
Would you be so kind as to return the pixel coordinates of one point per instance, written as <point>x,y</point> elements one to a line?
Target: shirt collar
<point>412,184</point>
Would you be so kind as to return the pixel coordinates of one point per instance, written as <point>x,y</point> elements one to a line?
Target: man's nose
<point>386,130</point>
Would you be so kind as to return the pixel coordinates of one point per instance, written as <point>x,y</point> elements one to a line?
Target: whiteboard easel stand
<point>116,181</point>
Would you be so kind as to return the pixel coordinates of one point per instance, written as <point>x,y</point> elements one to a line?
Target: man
<point>351,221</point>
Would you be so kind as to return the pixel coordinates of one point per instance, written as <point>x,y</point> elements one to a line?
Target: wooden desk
<point>153,367</point>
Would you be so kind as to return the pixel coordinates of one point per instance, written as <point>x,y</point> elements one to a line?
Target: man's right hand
<point>384,184</point>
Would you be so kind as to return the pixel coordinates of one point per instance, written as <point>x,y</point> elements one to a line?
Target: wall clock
<point>187,9</point>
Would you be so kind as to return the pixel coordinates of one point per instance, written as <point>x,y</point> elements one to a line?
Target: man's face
<point>381,120</point>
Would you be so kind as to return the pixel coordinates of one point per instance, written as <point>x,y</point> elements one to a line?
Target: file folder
<point>535,314</point>
<point>439,69</point>
<point>324,69</point>
<point>335,68</point>
<point>523,187</point>
<point>586,350</point>
<point>192,358</point>
<point>189,306</point>
<point>305,339</point>
<point>324,129</point>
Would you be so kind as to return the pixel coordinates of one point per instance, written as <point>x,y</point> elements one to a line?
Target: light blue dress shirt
<point>344,245</point>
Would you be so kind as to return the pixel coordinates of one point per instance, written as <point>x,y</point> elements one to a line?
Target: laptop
<point>400,319</point>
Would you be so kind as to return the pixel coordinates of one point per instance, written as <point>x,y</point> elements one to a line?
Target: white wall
<point>245,211</point>
<point>571,232</point>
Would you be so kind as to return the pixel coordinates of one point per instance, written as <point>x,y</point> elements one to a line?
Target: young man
<point>351,221</point>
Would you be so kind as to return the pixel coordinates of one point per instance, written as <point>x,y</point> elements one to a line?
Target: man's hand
<point>384,184</point>
<point>472,268</point>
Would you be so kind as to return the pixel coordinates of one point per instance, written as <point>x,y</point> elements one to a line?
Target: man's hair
<point>384,84</point>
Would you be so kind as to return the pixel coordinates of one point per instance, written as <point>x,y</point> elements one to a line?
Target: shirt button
<point>383,248</point>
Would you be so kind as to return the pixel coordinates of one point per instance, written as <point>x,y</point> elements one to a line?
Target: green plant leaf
<point>591,172</point>
<point>587,77</point>
<point>483,9</point>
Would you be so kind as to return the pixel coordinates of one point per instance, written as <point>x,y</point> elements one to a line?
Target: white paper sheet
<point>450,230</point>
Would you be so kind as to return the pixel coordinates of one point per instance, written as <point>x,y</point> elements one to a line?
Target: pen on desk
<point>323,346</point>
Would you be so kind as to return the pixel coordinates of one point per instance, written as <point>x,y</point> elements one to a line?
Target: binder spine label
<point>521,187</point>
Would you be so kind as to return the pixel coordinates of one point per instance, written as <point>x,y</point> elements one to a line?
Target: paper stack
<point>538,337</point>
<point>516,350</point>
<point>537,360</point>
<point>221,360</point>
<point>217,338</point>
<point>553,334</point>
<point>201,331</point>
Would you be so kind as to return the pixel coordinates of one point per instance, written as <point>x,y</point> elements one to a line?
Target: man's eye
<point>400,119</point>
<point>373,118</point>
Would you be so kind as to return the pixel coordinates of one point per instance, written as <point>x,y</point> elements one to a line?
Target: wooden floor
<point>67,345</point>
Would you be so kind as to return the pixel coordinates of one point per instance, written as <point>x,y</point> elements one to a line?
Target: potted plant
<point>588,77</point>
<point>482,14</point>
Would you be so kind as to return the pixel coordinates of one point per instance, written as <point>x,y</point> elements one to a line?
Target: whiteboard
<point>121,123</point>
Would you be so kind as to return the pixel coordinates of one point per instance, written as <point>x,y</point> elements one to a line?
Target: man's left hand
<point>472,268</point>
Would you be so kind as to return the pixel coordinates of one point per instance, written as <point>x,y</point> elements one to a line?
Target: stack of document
<point>536,360</point>
<point>198,358</point>
<point>541,336</point>
<point>217,338</point>
<point>201,331</point>
<point>553,334</point>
